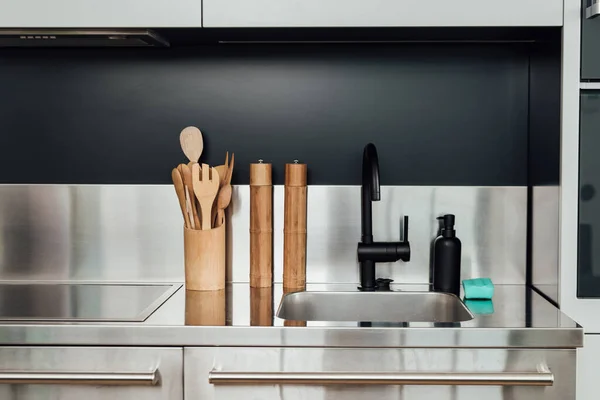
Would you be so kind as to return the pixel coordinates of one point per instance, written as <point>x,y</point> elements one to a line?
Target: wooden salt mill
<point>294,227</point>
<point>261,225</point>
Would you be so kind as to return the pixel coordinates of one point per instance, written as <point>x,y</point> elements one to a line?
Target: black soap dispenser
<point>446,258</point>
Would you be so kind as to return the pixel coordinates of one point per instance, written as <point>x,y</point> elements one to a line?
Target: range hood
<point>81,38</point>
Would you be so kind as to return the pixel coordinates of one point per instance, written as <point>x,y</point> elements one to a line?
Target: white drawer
<point>90,373</point>
<point>407,374</point>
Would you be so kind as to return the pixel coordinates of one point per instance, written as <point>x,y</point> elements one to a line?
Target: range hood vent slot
<point>81,38</point>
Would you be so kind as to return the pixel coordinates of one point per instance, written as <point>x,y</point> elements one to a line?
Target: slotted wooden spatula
<point>206,187</point>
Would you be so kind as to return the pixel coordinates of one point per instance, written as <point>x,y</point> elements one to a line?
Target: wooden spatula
<point>186,174</point>
<point>206,188</point>
<point>180,190</point>
<point>191,143</point>
<point>229,170</point>
<point>222,169</point>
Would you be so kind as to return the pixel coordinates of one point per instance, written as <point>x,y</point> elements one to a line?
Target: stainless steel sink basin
<point>373,306</point>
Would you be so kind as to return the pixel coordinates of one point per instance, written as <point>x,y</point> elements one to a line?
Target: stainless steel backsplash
<point>545,239</point>
<point>62,232</point>
<point>134,233</point>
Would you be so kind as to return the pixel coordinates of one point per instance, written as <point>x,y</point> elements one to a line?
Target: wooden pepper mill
<point>294,227</point>
<point>261,225</point>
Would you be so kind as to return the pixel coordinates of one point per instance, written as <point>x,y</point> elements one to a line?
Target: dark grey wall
<point>544,115</point>
<point>440,114</point>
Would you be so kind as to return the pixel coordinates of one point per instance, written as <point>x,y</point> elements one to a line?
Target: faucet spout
<point>370,171</point>
<point>368,251</point>
<point>370,191</point>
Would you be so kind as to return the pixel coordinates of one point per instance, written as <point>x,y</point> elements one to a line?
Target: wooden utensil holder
<point>204,257</point>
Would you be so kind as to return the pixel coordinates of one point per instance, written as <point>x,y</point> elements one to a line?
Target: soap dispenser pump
<point>446,258</point>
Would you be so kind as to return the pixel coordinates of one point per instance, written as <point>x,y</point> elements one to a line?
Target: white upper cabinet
<point>382,13</point>
<point>100,13</point>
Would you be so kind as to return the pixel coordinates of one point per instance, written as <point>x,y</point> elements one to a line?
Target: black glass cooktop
<point>81,302</point>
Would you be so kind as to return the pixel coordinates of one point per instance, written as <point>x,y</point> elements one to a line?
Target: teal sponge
<point>480,288</point>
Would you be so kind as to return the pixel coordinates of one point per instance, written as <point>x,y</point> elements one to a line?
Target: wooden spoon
<point>223,200</point>
<point>222,170</point>
<point>206,190</point>
<point>191,143</point>
<point>180,190</point>
<point>186,173</point>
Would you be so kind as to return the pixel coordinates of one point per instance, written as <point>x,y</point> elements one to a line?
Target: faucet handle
<point>383,284</point>
<point>405,230</point>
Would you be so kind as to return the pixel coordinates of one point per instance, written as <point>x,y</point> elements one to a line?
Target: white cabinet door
<point>369,13</point>
<point>588,373</point>
<point>100,13</point>
<point>91,373</point>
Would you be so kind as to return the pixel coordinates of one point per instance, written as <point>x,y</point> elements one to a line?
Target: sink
<point>373,306</point>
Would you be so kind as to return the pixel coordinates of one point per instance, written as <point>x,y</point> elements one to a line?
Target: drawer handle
<point>545,378</point>
<point>80,378</point>
<point>593,11</point>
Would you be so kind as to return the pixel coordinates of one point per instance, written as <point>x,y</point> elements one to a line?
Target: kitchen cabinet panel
<point>218,363</point>
<point>100,14</point>
<point>588,263</point>
<point>590,44</point>
<point>90,373</point>
<point>384,13</point>
<point>588,373</point>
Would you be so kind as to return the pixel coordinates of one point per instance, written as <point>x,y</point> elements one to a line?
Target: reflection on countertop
<point>241,316</point>
<point>205,308</point>
<point>514,306</point>
<point>261,306</point>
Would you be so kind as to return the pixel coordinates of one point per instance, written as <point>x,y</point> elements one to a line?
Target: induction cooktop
<point>81,302</point>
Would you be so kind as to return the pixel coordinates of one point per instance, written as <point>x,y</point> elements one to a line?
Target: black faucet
<point>370,252</point>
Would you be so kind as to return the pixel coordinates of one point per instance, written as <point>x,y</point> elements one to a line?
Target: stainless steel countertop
<point>521,318</point>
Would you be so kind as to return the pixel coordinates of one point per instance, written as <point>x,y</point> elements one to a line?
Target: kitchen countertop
<point>241,316</point>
